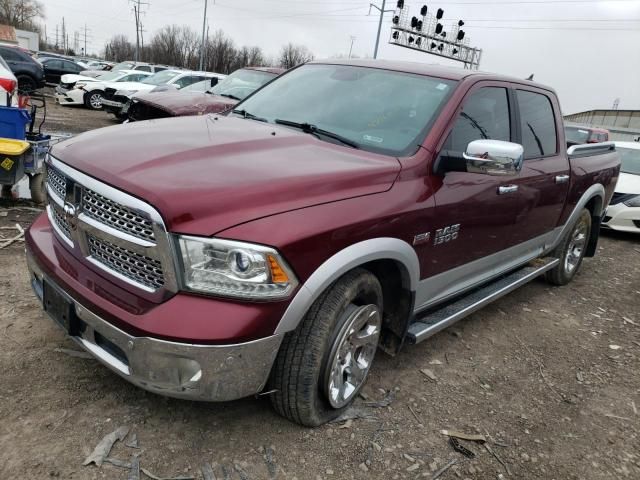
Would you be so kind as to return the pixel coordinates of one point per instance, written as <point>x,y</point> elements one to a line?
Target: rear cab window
<point>537,124</point>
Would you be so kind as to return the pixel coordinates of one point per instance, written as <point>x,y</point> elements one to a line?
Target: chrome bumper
<point>188,371</point>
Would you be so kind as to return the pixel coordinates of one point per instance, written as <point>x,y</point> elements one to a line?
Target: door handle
<point>562,178</point>
<point>504,189</point>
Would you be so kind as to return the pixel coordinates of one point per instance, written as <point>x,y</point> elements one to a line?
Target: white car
<point>88,91</point>
<point>624,210</point>
<point>8,86</point>
<point>115,99</point>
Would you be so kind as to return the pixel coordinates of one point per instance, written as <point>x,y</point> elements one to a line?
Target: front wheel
<point>571,251</point>
<point>323,364</point>
<point>93,100</point>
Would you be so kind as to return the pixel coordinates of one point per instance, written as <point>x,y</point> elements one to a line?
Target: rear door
<point>53,70</point>
<point>543,183</point>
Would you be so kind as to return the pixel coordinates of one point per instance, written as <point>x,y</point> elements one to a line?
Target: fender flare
<point>594,191</point>
<point>384,248</point>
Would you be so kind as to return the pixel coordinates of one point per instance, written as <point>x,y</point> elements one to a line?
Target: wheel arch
<point>393,261</point>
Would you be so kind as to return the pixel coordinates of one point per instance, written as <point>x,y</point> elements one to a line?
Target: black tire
<point>300,374</point>
<point>26,84</point>
<point>37,188</point>
<point>93,99</point>
<point>571,251</point>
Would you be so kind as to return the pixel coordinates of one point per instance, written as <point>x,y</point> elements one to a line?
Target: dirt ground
<point>549,375</point>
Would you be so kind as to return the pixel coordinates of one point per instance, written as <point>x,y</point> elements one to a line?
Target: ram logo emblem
<point>447,234</point>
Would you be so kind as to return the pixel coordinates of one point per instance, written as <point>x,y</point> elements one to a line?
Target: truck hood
<point>206,174</point>
<point>179,103</point>
<point>628,183</point>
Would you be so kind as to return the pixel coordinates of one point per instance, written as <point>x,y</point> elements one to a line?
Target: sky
<point>587,50</point>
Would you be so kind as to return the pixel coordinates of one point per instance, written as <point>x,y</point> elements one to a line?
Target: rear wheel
<point>571,251</point>
<point>93,100</point>
<point>324,363</point>
<point>26,84</point>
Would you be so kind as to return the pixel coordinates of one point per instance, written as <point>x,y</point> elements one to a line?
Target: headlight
<point>80,85</point>
<point>633,201</point>
<point>234,269</point>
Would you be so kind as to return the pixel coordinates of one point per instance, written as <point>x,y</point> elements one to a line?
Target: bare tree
<point>22,14</point>
<point>119,49</point>
<point>293,55</point>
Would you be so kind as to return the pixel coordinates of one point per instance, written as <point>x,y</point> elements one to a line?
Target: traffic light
<point>460,35</point>
<point>400,4</point>
<point>439,14</point>
<point>423,11</point>
<point>419,26</point>
<point>396,20</point>
<point>460,23</point>
<point>414,22</point>
<point>439,28</point>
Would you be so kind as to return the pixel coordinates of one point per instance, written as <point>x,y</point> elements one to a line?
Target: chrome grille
<point>112,230</point>
<point>57,182</point>
<point>116,216</point>
<point>139,268</point>
<point>61,222</point>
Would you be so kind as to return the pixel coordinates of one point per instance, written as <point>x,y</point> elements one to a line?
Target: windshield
<point>576,134</point>
<point>242,83</point>
<point>161,78</point>
<point>122,66</point>
<point>630,160</point>
<point>377,110</point>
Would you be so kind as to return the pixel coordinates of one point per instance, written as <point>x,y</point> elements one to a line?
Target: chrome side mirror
<point>494,157</point>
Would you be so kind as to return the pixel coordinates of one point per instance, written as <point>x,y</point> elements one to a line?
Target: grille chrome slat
<point>57,182</point>
<point>143,270</point>
<point>117,216</point>
<point>112,230</point>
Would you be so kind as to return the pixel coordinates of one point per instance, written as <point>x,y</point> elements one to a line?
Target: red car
<point>221,97</point>
<point>345,207</point>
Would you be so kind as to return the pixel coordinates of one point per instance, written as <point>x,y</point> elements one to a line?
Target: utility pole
<point>382,12</point>
<point>64,37</point>
<point>86,30</point>
<point>57,44</point>
<point>137,11</point>
<point>204,27</point>
<point>353,39</point>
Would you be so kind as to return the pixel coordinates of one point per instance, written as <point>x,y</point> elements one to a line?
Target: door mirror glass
<point>494,157</point>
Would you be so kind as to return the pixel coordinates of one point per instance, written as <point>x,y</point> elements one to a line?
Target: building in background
<point>21,38</point>
<point>624,125</point>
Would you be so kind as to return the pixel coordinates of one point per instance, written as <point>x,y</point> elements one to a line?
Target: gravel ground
<point>550,376</point>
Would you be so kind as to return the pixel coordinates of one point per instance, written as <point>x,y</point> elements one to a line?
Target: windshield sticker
<point>369,138</point>
<point>442,86</point>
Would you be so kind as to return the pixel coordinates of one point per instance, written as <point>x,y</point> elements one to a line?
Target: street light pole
<point>204,28</point>
<point>382,12</point>
<point>353,39</point>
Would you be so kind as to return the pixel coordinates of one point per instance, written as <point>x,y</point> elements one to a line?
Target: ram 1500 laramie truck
<point>343,208</point>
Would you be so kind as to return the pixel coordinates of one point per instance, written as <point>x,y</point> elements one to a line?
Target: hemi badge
<point>421,238</point>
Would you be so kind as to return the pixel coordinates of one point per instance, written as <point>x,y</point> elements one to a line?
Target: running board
<point>434,321</point>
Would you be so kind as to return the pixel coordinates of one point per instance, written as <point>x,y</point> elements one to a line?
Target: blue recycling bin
<point>13,122</point>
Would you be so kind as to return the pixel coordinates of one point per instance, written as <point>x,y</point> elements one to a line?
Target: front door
<point>544,181</point>
<point>474,217</point>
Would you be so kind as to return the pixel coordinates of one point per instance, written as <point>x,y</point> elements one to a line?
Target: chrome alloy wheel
<point>576,247</point>
<point>352,353</point>
<point>96,101</point>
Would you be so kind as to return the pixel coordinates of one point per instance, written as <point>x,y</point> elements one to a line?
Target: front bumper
<point>70,97</point>
<point>622,218</point>
<point>175,369</point>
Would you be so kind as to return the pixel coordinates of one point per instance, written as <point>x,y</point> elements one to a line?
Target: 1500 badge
<point>442,235</point>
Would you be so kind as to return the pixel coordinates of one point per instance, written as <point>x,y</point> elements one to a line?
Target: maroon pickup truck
<point>344,207</point>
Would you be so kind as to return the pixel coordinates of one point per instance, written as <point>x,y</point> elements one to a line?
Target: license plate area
<point>59,308</point>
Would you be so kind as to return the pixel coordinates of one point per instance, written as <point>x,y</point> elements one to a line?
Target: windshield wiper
<point>314,130</point>
<point>248,115</point>
<point>228,95</point>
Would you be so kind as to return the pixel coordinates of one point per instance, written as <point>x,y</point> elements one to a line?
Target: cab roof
<point>440,71</point>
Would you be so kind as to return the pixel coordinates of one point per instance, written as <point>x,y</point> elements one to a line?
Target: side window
<point>136,77</point>
<point>143,68</point>
<point>160,69</point>
<point>10,55</point>
<point>537,123</point>
<point>188,80</point>
<point>54,64</point>
<point>485,115</point>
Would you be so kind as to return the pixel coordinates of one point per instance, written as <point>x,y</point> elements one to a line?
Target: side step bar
<point>434,321</point>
